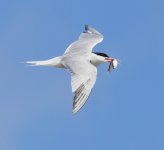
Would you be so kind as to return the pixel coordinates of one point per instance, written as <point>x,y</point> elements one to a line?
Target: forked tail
<point>39,63</point>
<point>55,62</point>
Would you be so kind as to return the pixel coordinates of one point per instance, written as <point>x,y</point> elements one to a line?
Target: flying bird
<point>82,64</point>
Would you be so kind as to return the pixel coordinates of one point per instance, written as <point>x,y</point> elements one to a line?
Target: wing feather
<point>83,78</point>
<point>82,93</point>
<point>87,40</point>
<point>80,98</point>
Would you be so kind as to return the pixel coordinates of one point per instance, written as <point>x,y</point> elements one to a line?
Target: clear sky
<point>126,108</point>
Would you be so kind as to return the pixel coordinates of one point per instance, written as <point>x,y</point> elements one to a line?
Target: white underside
<point>59,62</point>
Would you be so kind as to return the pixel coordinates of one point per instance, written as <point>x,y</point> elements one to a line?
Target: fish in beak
<point>113,64</point>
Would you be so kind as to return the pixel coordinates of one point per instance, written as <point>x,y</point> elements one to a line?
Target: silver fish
<point>113,65</point>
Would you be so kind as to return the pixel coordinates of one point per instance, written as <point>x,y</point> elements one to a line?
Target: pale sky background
<point>126,108</point>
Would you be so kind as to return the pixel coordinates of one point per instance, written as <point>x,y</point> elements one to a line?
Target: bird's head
<point>105,58</point>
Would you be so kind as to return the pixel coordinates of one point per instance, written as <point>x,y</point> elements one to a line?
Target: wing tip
<point>89,29</point>
<point>86,28</point>
<point>74,111</point>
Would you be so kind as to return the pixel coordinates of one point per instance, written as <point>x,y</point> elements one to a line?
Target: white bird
<point>81,63</point>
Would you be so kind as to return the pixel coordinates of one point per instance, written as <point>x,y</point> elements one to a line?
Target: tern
<point>82,64</point>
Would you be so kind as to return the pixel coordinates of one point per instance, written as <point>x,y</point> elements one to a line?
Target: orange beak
<point>109,59</point>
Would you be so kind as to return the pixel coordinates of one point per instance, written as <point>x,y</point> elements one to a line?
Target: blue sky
<point>125,110</point>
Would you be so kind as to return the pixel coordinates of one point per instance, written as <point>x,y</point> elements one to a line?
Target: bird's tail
<point>39,63</point>
<point>55,62</point>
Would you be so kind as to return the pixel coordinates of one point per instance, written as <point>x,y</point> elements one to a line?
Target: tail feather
<point>38,63</point>
<point>55,62</point>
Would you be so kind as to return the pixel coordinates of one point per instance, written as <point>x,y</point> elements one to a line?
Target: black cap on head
<point>101,54</point>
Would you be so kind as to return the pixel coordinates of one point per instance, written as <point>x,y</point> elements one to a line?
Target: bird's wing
<point>87,40</point>
<point>83,78</point>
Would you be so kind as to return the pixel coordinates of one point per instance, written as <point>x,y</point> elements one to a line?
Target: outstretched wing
<point>83,78</point>
<point>87,40</point>
<point>81,94</point>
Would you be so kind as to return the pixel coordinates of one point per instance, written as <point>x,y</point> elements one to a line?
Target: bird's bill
<point>109,59</point>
